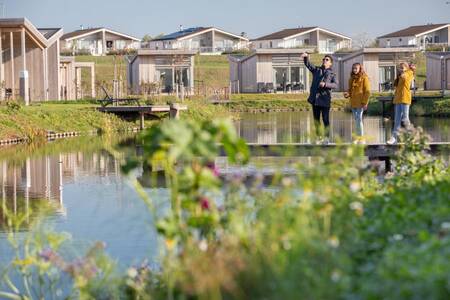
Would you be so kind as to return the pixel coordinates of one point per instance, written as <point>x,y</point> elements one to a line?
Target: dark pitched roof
<point>48,32</point>
<point>285,33</point>
<point>79,32</point>
<point>182,33</point>
<point>413,30</point>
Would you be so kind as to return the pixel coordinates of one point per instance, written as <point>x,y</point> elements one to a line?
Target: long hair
<point>361,69</point>
<point>402,65</point>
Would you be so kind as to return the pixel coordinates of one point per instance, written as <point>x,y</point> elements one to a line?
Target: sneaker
<point>325,141</point>
<point>392,141</point>
<point>318,141</point>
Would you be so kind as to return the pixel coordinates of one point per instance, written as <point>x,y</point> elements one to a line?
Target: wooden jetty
<point>174,111</point>
<point>381,152</point>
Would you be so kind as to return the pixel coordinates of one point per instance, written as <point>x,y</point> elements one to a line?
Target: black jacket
<point>321,96</point>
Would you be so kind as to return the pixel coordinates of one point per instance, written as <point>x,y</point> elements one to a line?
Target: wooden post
<point>93,80</point>
<point>78,94</point>
<point>1,67</point>
<point>58,63</point>
<point>13,79</point>
<point>103,42</point>
<point>213,33</point>
<point>24,76</point>
<point>174,112</point>
<point>141,121</point>
<point>45,72</point>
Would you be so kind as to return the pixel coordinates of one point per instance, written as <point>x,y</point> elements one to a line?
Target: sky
<point>256,18</point>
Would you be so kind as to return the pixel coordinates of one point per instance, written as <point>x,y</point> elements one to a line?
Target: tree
<point>362,40</point>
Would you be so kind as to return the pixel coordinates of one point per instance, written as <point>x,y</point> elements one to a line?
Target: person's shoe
<point>325,141</point>
<point>318,141</point>
<point>355,142</point>
<point>392,141</point>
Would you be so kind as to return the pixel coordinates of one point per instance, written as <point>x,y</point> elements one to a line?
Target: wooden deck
<point>382,152</point>
<point>174,110</point>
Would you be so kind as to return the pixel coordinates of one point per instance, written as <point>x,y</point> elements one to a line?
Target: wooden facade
<point>268,69</point>
<point>380,64</point>
<point>30,53</point>
<point>165,70</point>
<point>438,71</point>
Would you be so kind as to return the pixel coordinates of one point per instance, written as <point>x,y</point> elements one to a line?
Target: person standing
<point>402,100</point>
<point>323,82</point>
<point>359,93</point>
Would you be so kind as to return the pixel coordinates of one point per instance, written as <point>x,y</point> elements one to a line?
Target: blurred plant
<point>39,270</point>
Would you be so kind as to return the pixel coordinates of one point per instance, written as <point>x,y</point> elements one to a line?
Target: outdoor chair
<point>110,100</point>
<point>269,87</point>
<point>261,87</point>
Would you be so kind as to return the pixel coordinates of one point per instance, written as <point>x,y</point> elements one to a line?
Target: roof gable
<point>86,32</point>
<point>189,32</point>
<point>293,32</point>
<point>285,33</point>
<point>415,30</point>
<point>44,37</point>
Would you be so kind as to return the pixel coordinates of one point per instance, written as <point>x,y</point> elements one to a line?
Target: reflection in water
<point>95,202</point>
<point>297,127</point>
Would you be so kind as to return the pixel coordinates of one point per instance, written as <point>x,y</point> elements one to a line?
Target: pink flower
<point>214,169</point>
<point>47,254</point>
<point>204,203</point>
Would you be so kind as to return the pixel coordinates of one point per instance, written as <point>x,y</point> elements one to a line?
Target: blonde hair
<point>402,65</point>
<point>361,69</point>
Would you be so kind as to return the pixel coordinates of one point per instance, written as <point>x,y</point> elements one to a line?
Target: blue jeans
<point>358,116</point>
<point>401,115</point>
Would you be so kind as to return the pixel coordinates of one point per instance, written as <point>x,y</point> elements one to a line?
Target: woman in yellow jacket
<point>358,92</point>
<point>402,100</point>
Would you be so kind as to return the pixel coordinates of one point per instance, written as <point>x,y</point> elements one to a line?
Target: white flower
<point>132,272</point>
<point>355,186</point>
<point>203,245</point>
<point>397,237</point>
<point>445,226</point>
<point>333,241</point>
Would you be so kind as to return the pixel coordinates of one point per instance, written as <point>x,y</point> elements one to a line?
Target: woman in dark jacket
<point>323,81</point>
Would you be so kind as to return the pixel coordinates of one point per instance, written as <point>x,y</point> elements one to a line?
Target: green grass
<point>34,121</point>
<point>424,108</point>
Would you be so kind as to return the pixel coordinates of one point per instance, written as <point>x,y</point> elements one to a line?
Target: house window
<point>400,39</point>
<point>436,39</point>
<point>271,44</point>
<point>388,42</point>
<point>260,45</point>
<point>306,42</point>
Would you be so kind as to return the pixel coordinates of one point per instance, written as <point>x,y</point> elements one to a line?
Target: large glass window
<point>387,77</point>
<point>298,78</point>
<point>281,78</point>
<point>164,76</point>
<point>182,76</point>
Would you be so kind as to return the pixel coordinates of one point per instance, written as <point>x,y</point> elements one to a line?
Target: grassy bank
<point>424,108</point>
<point>36,121</point>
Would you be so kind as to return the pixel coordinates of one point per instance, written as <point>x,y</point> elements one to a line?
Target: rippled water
<point>95,202</point>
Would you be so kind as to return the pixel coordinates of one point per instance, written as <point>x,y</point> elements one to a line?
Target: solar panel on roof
<point>179,34</point>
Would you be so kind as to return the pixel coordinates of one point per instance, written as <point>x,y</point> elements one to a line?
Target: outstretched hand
<point>322,84</point>
<point>303,55</point>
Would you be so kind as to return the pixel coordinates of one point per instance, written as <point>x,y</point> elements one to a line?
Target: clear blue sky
<point>256,17</point>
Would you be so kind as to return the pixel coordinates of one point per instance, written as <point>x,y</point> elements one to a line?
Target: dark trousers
<point>325,112</point>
